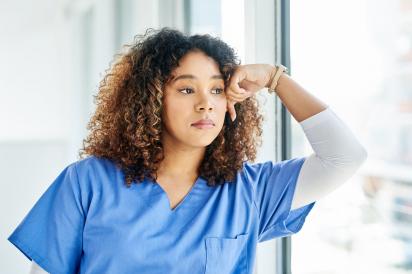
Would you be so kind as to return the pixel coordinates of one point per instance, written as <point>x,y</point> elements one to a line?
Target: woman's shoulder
<point>95,171</point>
<point>92,162</point>
<point>255,171</point>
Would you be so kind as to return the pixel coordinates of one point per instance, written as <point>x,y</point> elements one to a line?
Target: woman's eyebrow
<point>191,76</point>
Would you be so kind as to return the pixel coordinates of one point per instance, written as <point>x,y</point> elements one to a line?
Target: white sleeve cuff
<point>317,118</point>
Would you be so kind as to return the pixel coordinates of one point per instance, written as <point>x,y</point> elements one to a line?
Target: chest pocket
<point>226,255</point>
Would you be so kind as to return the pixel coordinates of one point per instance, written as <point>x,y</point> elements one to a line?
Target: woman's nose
<point>205,103</point>
<point>204,106</point>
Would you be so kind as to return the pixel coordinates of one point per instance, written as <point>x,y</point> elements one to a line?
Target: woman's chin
<point>201,142</point>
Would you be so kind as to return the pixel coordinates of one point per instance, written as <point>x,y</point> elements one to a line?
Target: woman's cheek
<point>223,104</point>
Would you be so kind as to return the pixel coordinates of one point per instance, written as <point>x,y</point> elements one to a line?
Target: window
<point>357,57</point>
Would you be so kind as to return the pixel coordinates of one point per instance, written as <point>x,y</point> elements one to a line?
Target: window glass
<point>356,56</point>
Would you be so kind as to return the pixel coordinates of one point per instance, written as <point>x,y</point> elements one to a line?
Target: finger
<point>236,78</point>
<point>239,96</point>
<point>239,92</point>
<point>250,86</point>
<point>237,99</point>
<point>231,110</point>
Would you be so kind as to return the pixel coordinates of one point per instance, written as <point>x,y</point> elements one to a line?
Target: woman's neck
<point>181,162</point>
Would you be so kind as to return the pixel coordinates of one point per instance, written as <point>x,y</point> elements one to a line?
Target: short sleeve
<point>51,232</point>
<point>273,187</point>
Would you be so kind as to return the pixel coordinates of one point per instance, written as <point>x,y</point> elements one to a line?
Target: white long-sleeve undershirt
<point>337,156</point>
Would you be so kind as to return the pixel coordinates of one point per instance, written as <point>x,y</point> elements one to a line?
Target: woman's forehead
<point>194,77</point>
<point>197,60</point>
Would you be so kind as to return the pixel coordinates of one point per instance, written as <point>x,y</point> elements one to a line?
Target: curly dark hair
<point>127,126</point>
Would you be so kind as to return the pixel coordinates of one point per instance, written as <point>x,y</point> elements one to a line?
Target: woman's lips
<point>203,126</point>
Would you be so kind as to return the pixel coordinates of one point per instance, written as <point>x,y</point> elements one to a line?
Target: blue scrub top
<point>88,221</point>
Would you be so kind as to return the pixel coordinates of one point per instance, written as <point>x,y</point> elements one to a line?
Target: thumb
<point>231,109</point>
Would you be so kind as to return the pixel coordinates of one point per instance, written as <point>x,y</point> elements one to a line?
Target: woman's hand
<point>245,82</point>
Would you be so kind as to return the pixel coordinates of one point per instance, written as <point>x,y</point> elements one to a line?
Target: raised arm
<point>337,156</point>
<point>337,152</point>
<point>299,102</point>
<point>251,78</point>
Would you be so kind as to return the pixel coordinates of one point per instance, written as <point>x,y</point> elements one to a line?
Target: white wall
<point>34,114</point>
<point>50,68</point>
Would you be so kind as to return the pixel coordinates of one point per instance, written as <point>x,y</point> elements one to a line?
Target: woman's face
<point>195,92</point>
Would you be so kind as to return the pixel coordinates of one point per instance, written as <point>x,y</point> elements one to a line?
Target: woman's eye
<point>220,90</point>
<point>189,89</point>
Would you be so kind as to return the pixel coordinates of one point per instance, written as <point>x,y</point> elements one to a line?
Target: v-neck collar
<point>160,191</point>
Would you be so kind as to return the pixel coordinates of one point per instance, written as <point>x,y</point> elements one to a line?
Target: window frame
<point>284,245</point>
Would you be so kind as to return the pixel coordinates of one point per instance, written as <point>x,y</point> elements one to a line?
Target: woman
<point>168,185</point>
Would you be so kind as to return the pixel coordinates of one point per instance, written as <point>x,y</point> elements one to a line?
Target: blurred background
<point>356,56</point>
